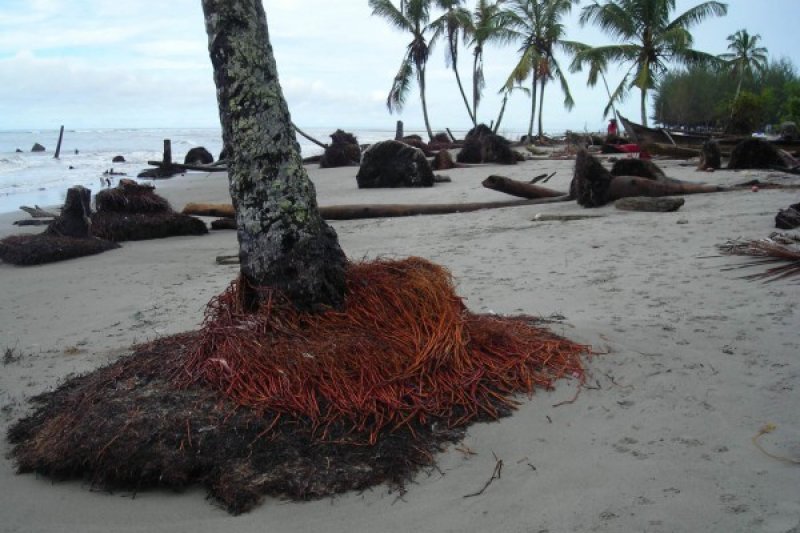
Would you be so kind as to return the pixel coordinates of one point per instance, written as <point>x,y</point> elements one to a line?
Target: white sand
<point>695,361</point>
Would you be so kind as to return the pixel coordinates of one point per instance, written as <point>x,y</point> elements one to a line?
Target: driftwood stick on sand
<point>362,211</point>
<point>31,222</point>
<point>38,212</point>
<point>180,167</point>
<point>595,186</point>
<point>519,188</point>
<point>309,137</point>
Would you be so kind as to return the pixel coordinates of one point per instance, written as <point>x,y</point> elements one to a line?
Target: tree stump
<point>74,220</point>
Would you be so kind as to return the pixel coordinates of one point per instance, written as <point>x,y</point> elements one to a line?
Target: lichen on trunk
<point>283,241</point>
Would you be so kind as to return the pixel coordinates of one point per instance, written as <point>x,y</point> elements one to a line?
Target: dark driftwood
<point>649,204</point>
<point>31,222</point>
<point>180,167</point>
<point>519,188</point>
<point>309,137</point>
<point>355,212</point>
<point>594,186</point>
<point>38,212</point>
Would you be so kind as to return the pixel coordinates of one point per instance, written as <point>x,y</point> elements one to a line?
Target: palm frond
<point>698,14</point>
<point>400,86</point>
<point>387,10</point>
<point>774,249</point>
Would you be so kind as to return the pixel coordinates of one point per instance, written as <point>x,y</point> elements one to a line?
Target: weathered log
<point>362,211</point>
<point>519,188</point>
<point>38,212</point>
<point>554,217</point>
<point>594,186</point>
<point>31,222</point>
<point>209,210</point>
<point>669,150</point>
<point>649,204</point>
<point>178,167</point>
<point>309,137</point>
<point>58,146</point>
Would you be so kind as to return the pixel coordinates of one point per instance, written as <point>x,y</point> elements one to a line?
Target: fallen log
<point>649,204</point>
<point>678,152</point>
<point>594,186</point>
<point>181,167</point>
<point>38,212</point>
<point>31,222</point>
<point>519,188</point>
<point>362,211</point>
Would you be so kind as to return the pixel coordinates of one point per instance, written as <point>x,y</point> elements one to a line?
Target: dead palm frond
<point>777,248</point>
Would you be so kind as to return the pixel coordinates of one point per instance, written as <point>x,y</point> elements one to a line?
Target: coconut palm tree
<point>453,24</point>
<point>745,56</point>
<point>537,25</point>
<point>413,16</point>
<point>486,27</point>
<point>648,40</point>
<point>283,241</point>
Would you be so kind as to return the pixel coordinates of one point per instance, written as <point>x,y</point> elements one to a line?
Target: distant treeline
<point>703,98</point>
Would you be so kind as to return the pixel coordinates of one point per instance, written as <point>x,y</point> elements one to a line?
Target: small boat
<point>644,135</point>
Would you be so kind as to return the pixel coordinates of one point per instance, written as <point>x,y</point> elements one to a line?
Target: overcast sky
<point>144,63</point>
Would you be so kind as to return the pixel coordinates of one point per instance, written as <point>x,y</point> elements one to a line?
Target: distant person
<point>613,130</point>
<point>76,151</point>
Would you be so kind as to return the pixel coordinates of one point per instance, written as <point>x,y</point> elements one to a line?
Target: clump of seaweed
<point>280,402</point>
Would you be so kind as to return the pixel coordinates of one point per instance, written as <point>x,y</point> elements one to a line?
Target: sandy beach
<point>691,362</point>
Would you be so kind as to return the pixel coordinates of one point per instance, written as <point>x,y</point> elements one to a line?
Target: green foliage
<point>747,113</point>
<point>706,97</point>
<point>649,40</point>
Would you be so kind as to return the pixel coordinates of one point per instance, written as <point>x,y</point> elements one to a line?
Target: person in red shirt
<point>612,128</point>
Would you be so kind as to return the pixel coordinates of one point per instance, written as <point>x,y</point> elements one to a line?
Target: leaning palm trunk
<point>424,102</point>
<point>543,82</point>
<point>644,107</point>
<point>533,106</point>
<point>283,241</point>
<point>461,89</point>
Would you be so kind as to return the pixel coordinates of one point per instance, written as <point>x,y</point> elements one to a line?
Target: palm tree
<point>745,56</point>
<point>537,24</point>
<point>283,241</point>
<point>486,27</point>
<point>455,22</point>
<point>649,40</point>
<point>413,17</point>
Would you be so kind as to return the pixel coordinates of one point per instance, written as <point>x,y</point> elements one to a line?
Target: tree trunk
<point>533,106</point>
<point>461,88</point>
<point>475,83</point>
<point>541,104</point>
<point>424,103</point>
<point>283,241</point>
<point>500,115</point>
<point>644,107</point>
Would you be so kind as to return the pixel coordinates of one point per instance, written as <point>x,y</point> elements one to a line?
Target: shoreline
<point>691,362</point>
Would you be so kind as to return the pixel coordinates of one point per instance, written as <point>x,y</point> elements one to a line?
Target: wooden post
<point>58,146</point>
<point>398,132</point>
<point>167,161</point>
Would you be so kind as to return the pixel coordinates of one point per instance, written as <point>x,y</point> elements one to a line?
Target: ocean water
<point>37,178</point>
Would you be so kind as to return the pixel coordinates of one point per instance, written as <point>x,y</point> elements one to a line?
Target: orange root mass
<point>403,348</point>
